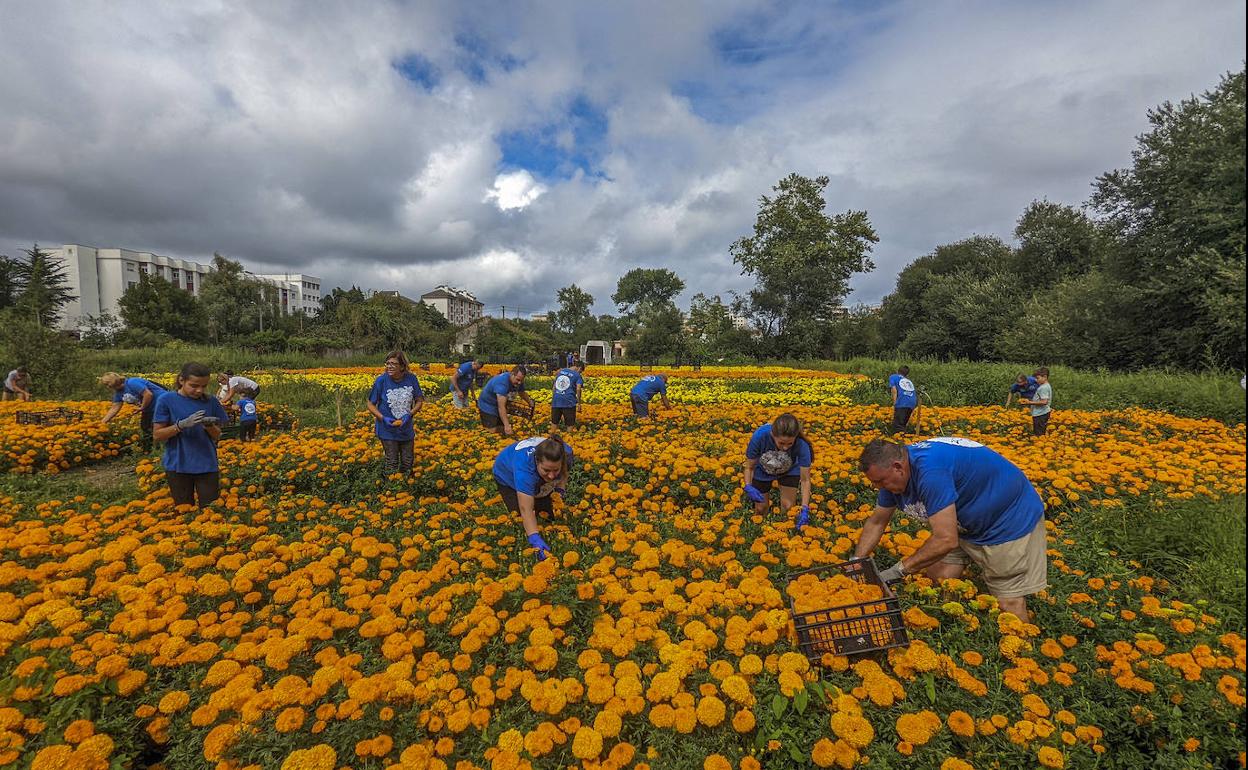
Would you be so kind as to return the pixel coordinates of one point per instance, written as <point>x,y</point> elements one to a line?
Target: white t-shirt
<point>237,383</point>
<point>10,382</point>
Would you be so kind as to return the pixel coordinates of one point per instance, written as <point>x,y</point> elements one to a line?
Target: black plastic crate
<point>520,409</point>
<point>850,629</point>
<point>58,416</point>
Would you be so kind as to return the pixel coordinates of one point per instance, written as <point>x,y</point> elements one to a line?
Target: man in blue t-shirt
<point>645,390</point>
<point>492,403</point>
<point>566,395</point>
<point>248,418</point>
<point>905,398</point>
<point>980,507</point>
<point>135,391</point>
<point>462,382</point>
<point>1024,388</point>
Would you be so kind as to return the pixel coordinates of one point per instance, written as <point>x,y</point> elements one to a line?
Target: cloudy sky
<point>516,147</point>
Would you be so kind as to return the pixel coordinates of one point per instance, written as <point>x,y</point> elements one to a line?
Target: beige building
<point>456,305</point>
<point>98,278</point>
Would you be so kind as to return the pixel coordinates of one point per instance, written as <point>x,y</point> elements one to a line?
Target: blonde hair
<point>112,380</point>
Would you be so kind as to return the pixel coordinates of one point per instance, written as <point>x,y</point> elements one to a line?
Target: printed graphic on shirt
<point>400,400</point>
<point>916,509</point>
<point>249,409</point>
<point>966,442</point>
<point>562,383</point>
<point>905,385</point>
<point>776,462</point>
<point>130,399</point>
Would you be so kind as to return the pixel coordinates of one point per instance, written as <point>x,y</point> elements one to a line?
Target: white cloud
<point>515,190</point>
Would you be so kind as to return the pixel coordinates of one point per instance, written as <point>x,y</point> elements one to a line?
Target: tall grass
<point>1215,395</point>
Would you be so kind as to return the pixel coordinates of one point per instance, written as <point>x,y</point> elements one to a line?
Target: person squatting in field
<point>235,385</point>
<point>981,509</point>
<point>779,452</point>
<point>17,385</point>
<point>527,473</point>
<point>492,403</point>
<point>462,381</point>
<point>396,396</point>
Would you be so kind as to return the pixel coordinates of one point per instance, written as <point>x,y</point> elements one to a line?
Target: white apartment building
<point>98,278</point>
<point>458,306</point>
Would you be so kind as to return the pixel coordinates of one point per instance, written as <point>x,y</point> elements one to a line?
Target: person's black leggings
<point>399,456</point>
<point>1040,424</point>
<point>901,418</point>
<point>187,488</point>
<point>145,426</point>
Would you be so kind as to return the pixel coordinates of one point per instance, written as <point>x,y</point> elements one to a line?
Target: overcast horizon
<point>511,149</point>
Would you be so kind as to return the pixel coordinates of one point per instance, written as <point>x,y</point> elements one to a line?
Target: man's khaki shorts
<point>1012,569</point>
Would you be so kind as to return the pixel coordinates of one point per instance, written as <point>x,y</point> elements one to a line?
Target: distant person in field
<point>492,403</point>
<point>17,385</point>
<point>393,401</point>
<point>1024,387</point>
<point>905,398</point>
<point>644,392</point>
<point>527,473</point>
<point>188,421</point>
<point>234,385</point>
<point>248,418</point>
<point>462,382</point>
<point>138,392</point>
<point>779,452</point>
<point>1041,403</point>
<point>566,395</point>
<point>980,507</point>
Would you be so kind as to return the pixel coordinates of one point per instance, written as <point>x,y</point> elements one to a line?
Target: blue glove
<point>803,518</point>
<point>752,492</point>
<point>562,492</point>
<point>537,542</point>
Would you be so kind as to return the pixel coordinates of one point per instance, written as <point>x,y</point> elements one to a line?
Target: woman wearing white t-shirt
<point>234,385</point>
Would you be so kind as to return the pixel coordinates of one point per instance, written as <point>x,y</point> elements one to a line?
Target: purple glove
<point>752,492</point>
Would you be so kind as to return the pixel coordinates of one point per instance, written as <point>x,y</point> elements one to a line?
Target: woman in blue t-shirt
<point>527,473</point>
<point>779,452</point>
<point>135,391</point>
<point>188,421</point>
<point>395,397</point>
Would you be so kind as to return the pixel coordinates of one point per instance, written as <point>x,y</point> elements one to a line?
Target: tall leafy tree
<point>641,291</point>
<point>573,315</point>
<point>1178,217</point>
<point>231,300</point>
<point>661,336</point>
<point>44,287</point>
<point>801,260</point>
<point>157,305</point>
<point>1055,242</point>
<point>10,286</point>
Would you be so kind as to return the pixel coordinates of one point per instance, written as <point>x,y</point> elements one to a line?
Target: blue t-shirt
<point>649,387</point>
<point>516,467</point>
<point>395,400</point>
<point>464,376</point>
<point>1025,391</point>
<point>499,385</point>
<point>192,450</point>
<point>995,501</point>
<point>247,412</point>
<point>906,396</point>
<point>800,454</point>
<point>565,388</point>
<point>132,391</point>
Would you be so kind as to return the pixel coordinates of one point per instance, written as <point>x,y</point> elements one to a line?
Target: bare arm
<point>163,431</point>
<point>113,409</point>
<point>805,486</point>
<point>944,524</point>
<point>872,530</point>
<point>893,390</point>
<point>527,517</point>
<point>375,411</point>
<point>506,420</point>
<point>749,471</point>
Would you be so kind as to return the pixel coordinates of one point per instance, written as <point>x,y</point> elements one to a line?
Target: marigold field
<point>320,616</point>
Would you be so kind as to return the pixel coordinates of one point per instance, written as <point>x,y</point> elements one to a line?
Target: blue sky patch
<point>419,70</point>
<point>558,149</point>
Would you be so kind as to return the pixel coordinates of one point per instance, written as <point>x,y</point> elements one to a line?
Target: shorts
<point>785,481</point>
<point>1012,569</point>
<point>10,391</point>
<point>563,414</point>
<point>184,488</point>
<point>490,421</point>
<point>512,500</point>
<point>459,401</point>
<point>641,407</point>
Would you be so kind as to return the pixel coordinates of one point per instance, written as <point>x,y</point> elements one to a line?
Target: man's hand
<point>506,429</point>
<point>803,518</point>
<point>543,550</point>
<point>893,574</point>
<point>752,492</point>
<point>192,420</point>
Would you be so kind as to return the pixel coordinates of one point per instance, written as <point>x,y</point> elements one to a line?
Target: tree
<point>661,336</point>
<point>157,305</point>
<point>331,301</point>
<point>1177,217</point>
<point>573,314</point>
<point>643,290</point>
<point>801,260</point>
<point>51,356</point>
<point>10,287</point>
<point>1055,242</point>
<point>232,302</point>
<point>44,288</point>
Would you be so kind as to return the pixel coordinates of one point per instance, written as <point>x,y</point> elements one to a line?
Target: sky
<point>512,148</point>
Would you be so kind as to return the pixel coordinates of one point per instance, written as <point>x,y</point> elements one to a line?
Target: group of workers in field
<point>981,508</point>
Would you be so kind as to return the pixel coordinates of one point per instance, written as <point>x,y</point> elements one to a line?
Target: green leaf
<point>797,754</point>
<point>778,705</point>
<point>800,701</point>
<point>929,686</point>
<point>818,689</point>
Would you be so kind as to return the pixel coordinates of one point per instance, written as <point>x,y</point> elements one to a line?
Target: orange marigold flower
<point>1051,757</point>
<point>961,724</point>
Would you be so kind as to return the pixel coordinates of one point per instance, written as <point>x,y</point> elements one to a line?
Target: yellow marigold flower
<point>586,744</point>
<point>853,729</point>
<point>319,757</point>
<point>738,689</point>
<point>1051,757</point>
<point>790,683</point>
<point>743,721</point>
<point>750,665</point>
<point>961,724</point>
<point>716,762</point>
<point>711,711</point>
